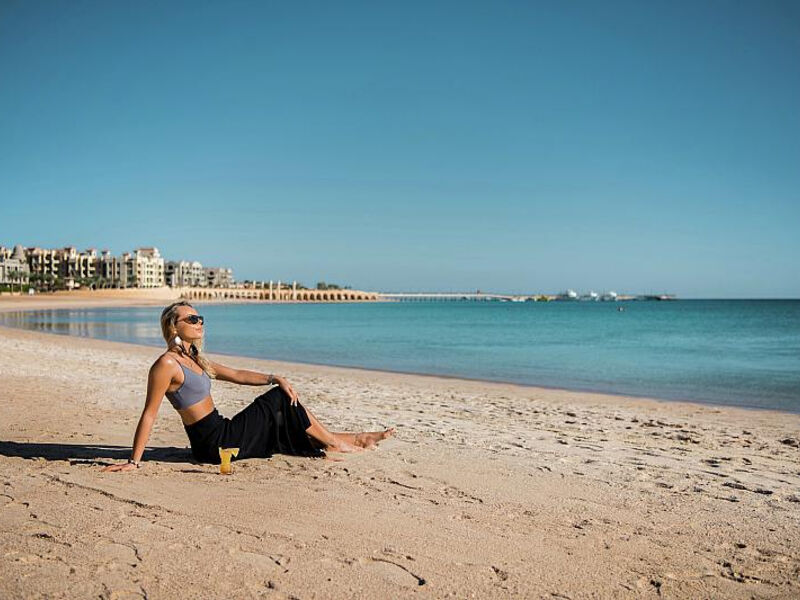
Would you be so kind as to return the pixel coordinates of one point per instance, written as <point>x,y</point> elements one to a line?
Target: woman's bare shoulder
<point>165,362</point>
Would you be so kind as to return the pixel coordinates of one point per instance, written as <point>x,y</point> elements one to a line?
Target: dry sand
<point>487,491</point>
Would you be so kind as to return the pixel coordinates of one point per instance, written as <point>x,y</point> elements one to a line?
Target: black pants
<point>269,425</point>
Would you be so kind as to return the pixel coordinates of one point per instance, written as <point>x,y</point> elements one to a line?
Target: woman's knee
<point>273,395</point>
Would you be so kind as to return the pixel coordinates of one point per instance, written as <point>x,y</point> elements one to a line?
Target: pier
<point>277,293</point>
<point>453,296</point>
<point>281,292</point>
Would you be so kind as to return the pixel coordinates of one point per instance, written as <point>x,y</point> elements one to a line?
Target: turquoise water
<point>736,352</point>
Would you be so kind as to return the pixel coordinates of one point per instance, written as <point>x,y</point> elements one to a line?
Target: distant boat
<point>609,297</point>
<point>568,295</point>
<point>659,297</point>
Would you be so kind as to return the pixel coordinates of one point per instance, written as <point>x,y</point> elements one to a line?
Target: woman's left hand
<point>286,387</point>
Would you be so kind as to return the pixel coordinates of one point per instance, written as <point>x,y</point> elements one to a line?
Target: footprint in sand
<point>499,573</point>
<point>14,514</point>
<point>740,486</point>
<point>44,561</point>
<point>273,564</point>
<point>734,485</point>
<point>145,526</point>
<point>391,571</point>
<point>453,492</point>
<point>117,553</point>
<point>127,594</point>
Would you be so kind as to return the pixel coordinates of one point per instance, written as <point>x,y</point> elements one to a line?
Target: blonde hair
<point>169,329</point>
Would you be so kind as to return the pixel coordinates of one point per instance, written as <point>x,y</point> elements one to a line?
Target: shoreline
<point>150,302</point>
<point>521,387</point>
<point>487,490</point>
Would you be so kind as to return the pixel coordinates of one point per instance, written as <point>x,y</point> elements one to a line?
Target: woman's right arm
<point>158,380</point>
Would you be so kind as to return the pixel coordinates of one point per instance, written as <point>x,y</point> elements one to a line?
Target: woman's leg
<point>329,440</point>
<point>343,441</point>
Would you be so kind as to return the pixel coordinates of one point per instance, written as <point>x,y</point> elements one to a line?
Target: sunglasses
<point>194,319</point>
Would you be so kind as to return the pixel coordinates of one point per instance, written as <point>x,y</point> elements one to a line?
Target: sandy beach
<point>487,491</point>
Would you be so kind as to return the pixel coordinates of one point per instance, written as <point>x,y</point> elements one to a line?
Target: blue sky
<point>506,146</point>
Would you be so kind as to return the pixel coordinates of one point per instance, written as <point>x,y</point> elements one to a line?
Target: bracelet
<point>271,379</point>
<point>133,462</point>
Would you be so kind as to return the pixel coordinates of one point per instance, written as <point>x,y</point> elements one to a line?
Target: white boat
<point>568,295</point>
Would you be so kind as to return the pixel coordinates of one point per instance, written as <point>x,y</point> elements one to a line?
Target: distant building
<point>144,268</point>
<point>185,274</point>
<point>66,264</point>
<point>112,270</point>
<point>219,277</point>
<point>78,265</point>
<point>14,266</point>
<point>175,272</point>
<point>44,261</point>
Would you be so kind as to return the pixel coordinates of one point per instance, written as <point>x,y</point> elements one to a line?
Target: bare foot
<point>340,445</point>
<point>370,439</point>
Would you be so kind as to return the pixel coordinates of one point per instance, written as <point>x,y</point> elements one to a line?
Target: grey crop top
<point>193,389</point>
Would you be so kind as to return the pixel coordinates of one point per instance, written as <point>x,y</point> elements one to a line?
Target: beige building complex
<point>69,268</point>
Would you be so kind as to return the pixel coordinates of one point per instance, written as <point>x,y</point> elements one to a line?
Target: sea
<point>731,352</point>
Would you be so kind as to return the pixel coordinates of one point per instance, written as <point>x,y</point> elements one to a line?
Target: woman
<point>275,422</point>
